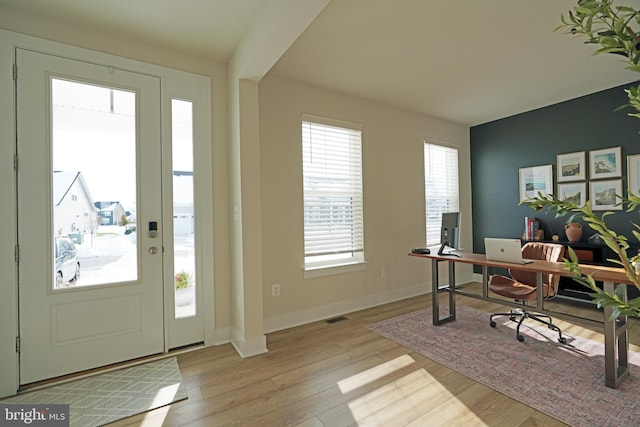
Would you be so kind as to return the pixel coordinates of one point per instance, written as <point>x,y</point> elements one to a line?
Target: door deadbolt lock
<point>153,250</point>
<point>153,229</point>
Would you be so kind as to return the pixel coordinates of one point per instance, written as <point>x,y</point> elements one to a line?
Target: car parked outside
<point>67,262</point>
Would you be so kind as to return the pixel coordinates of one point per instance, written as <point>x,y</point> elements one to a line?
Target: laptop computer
<point>504,250</point>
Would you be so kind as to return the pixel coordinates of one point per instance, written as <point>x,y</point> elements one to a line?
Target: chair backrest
<point>543,251</point>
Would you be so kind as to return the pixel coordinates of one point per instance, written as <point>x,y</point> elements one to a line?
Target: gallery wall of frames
<point>598,180</point>
<point>580,150</point>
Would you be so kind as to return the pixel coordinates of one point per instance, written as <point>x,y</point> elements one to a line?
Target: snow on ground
<point>109,256</point>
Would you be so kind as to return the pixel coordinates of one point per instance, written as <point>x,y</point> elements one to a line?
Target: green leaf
<point>572,254</point>
<point>609,42</point>
<point>583,10</point>
<point>621,292</point>
<point>622,107</point>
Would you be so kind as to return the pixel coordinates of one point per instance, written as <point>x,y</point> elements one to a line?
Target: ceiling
<point>467,61</point>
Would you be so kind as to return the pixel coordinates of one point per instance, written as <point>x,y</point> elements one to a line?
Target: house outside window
<point>441,187</point>
<point>332,186</point>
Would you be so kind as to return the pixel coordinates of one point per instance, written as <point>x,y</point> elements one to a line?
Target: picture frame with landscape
<point>571,166</point>
<point>605,163</point>
<point>535,180</point>
<point>575,193</point>
<point>603,195</point>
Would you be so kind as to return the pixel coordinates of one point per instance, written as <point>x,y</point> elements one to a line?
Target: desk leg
<point>452,288</point>
<point>616,343</point>
<point>435,290</point>
<point>539,292</point>
<point>485,282</point>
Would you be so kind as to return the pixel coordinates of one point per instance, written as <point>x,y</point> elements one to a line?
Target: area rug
<point>565,381</point>
<point>111,396</point>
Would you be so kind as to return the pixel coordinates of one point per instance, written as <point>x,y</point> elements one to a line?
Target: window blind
<point>332,183</point>
<point>441,187</point>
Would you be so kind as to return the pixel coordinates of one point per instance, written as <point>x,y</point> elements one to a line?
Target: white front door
<point>89,215</point>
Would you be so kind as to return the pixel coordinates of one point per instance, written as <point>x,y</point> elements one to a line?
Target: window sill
<point>334,269</point>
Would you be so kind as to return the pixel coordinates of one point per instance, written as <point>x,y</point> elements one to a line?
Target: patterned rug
<point>563,381</point>
<point>108,397</point>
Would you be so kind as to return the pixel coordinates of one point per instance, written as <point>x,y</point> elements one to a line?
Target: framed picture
<point>575,192</point>
<point>604,195</point>
<point>605,163</point>
<point>534,180</point>
<point>571,166</point>
<point>633,174</point>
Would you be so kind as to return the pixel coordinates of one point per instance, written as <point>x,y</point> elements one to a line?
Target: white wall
<point>71,215</point>
<point>278,25</point>
<point>393,175</point>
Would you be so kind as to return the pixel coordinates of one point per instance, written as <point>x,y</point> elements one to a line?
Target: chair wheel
<point>492,324</point>
<point>562,340</point>
<point>520,338</point>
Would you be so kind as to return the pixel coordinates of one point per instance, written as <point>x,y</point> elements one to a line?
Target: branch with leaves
<point>618,243</point>
<point>616,29</point>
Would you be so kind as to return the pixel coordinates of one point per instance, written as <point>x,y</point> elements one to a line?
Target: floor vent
<point>336,319</point>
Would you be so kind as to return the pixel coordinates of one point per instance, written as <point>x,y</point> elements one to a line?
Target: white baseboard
<point>221,336</point>
<point>251,347</point>
<point>245,348</point>
<point>289,320</point>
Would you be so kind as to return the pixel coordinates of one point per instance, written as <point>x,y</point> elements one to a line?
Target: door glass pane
<point>94,184</point>
<point>183,214</point>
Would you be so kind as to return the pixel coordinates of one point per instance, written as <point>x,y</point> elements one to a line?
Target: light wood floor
<point>342,374</point>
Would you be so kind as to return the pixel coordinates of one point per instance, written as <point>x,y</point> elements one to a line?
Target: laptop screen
<point>504,250</point>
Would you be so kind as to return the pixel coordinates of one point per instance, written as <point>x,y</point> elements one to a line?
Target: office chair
<point>521,286</point>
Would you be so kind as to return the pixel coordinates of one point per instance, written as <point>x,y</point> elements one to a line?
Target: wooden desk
<point>616,334</point>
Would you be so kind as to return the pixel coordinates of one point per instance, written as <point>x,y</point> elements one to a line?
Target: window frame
<point>344,259</point>
<point>451,194</point>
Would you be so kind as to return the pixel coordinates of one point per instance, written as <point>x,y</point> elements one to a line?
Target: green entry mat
<point>110,396</point>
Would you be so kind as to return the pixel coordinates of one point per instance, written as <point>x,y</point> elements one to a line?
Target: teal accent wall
<point>500,148</point>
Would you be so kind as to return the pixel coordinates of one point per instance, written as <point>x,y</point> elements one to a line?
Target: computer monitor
<point>449,232</point>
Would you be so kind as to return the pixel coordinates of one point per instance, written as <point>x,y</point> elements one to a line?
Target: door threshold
<point>107,368</point>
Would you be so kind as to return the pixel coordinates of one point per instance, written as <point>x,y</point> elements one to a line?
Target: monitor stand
<point>441,251</point>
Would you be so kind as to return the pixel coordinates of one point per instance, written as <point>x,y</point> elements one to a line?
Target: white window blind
<point>441,187</point>
<point>333,214</point>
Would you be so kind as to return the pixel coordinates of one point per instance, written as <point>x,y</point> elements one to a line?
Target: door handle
<point>153,250</point>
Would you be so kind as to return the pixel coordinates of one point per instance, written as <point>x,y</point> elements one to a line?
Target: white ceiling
<point>468,61</point>
<point>206,28</point>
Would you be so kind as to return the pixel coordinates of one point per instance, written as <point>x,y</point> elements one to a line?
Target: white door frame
<point>72,329</point>
<point>170,78</point>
